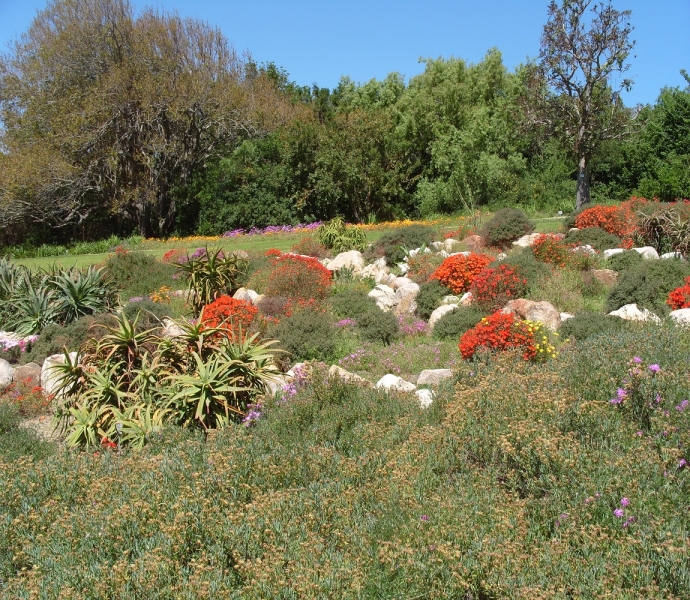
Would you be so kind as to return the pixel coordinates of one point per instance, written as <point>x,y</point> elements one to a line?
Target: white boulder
<point>425,398</point>
<point>647,252</point>
<point>340,373</point>
<point>450,244</point>
<point>441,311</point>
<point>247,295</point>
<point>352,259</point>
<point>630,312</point>
<point>384,297</point>
<point>526,240</point>
<point>6,374</point>
<point>681,316</point>
<point>50,377</point>
<point>609,253</point>
<point>433,376</point>
<point>399,282</point>
<point>406,297</point>
<point>672,255</point>
<point>392,382</point>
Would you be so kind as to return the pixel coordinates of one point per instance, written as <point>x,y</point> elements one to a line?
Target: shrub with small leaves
<point>506,226</point>
<point>422,266</point>
<point>551,250</point>
<point>430,296</point>
<point>298,277</point>
<point>377,326</point>
<point>596,237</point>
<point>308,246</point>
<point>454,324</point>
<point>393,244</point>
<point>308,334</point>
<point>624,261</point>
<point>587,324</point>
<point>351,303</point>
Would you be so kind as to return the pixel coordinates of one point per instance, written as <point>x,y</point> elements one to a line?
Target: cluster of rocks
<point>33,375</point>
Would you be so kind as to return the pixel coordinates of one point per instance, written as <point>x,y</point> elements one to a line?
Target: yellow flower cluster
<point>542,343</point>
<point>162,295</point>
<point>402,223</point>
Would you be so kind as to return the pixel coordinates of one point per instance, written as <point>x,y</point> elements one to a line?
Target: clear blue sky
<point>318,41</point>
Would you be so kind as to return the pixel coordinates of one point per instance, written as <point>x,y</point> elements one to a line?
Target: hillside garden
<point>442,409</point>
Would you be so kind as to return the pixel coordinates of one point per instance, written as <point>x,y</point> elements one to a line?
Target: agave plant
<point>137,423</point>
<point>340,237</point>
<point>210,275</point>
<point>79,293</point>
<point>33,308</point>
<point>123,343</point>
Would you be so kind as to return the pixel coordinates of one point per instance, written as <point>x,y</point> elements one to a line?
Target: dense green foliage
<point>377,326</point>
<point>593,236</point>
<point>624,261</point>
<point>452,325</point>
<point>307,334</point>
<point>394,244</point>
<point>430,296</point>
<point>137,274</point>
<point>506,226</point>
<point>587,324</point>
<point>648,284</point>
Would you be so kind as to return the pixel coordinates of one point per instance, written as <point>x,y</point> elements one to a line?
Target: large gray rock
<point>406,297</point>
<point>399,282</point>
<point>352,259</point>
<point>425,398</point>
<point>526,240</point>
<point>50,377</point>
<point>681,316</point>
<point>6,374</point>
<point>630,312</point>
<point>378,271</point>
<point>29,374</point>
<point>339,372</point>
<point>441,311</point>
<point>384,297</point>
<point>609,253</point>
<point>247,295</point>
<point>394,383</point>
<point>433,376</point>
<point>668,255</point>
<point>647,252</point>
<point>539,312</point>
<point>451,245</point>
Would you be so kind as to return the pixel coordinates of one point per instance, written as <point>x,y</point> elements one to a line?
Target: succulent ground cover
<point>547,466</point>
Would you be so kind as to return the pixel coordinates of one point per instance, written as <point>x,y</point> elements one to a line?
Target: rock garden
<point>435,412</point>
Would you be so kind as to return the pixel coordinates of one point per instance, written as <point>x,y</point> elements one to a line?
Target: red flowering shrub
<point>229,314</point>
<point>298,277</point>
<point>174,255</point>
<point>620,220</point>
<point>273,252</point>
<point>680,297</point>
<point>493,288</point>
<point>551,250</point>
<point>458,272</point>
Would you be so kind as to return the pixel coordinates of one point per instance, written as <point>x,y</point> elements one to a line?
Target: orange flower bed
<point>494,288</point>
<point>499,331</point>
<point>458,272</point>
<point>551,250</point>
<point>229,314</point>
<point>619,220</point>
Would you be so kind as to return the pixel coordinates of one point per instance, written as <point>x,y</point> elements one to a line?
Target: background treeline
<point>114,124</point>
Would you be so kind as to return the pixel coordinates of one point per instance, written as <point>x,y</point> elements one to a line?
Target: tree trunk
<point>582,183</point>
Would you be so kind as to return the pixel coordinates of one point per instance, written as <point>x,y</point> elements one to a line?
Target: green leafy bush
<point>307,334</point>
<point>351,303</point>
<point>593,236</point>
<point>648,284</point>
<point>587,324</point>
<point>624,261</point>
<point>338,236</point>
<point>506,226</point>
<point>429,298</point>
<point>452,325</point>
<point>137,274</point>
<point>526,265</point>
<point>393,244</point>
<point>374,325</point>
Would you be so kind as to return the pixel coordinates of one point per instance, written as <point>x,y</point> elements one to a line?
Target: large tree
<point>583,45</point>
<point>105,111</point>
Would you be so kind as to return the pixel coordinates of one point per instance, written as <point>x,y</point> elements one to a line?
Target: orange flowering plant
<point>680,297</point>
<point>230,315</point>
<point>493,288</point>
<point>459,271</point>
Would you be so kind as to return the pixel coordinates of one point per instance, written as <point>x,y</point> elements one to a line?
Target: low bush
<point>494,288</point>
<point>596,237</point>
<point>506,226</point>
<point>525,264</point>
<point>552,250</point>
<point>377,326</point>
<point>624,261</point>
<point>350,303</point>
<point>137,274</point>
<point>148,314</point>
<point>619,220</point>
<point>588,324</point>
<point>422,266</point>
<point>308,334</point>
<point>297,277</point>
<point>648,285</point>
<point>430,296</point>
<point>16,441</point>
<point>308,246</point>
<point>393,244</point>
<point>458,272</point>
<point>451,326</point>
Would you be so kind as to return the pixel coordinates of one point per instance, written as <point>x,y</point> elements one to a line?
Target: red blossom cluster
<point>493,288</point>
<point>552,250</point>
<point>273,252</point>
<point>174,255</point>
<point>229,314</point>
<point>499,331</point>
<point>620,220</point>
<point>680,297</point>
<point>458,272</point>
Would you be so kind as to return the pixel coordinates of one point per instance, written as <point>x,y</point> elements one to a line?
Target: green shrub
<point>17,441</point>
<point>506,226</point>
<point>138,274</point>
<point>150,314</point>
<point>648,284</point>
<point>624,261</point>
<point>338,236</point>
<point>374,325</point>
<point>593,236</point>
<point>587,324</point>
<point>527,266</point>
<point>307,334</point>
<point>350,303</point>
<point>452,325</point>
<point>393,244</point>
<point>429,298</point>
<point>54,338</point>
